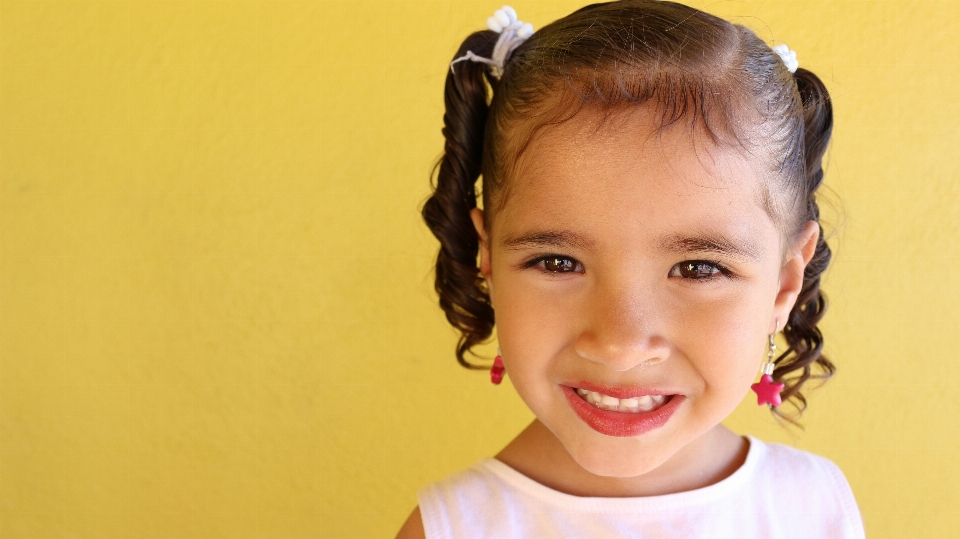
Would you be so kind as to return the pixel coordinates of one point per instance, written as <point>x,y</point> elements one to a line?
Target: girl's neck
<point>538,454</point>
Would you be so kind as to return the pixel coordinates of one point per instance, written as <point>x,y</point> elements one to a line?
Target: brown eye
<point>558,264</point>
<point>695,269</point>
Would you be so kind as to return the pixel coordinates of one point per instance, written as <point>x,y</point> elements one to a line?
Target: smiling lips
<point>629,413</point>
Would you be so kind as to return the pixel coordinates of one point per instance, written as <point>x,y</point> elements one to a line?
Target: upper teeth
<point>644,403</point>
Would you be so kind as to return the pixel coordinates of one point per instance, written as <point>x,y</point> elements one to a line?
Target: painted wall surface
<point>216,305</point>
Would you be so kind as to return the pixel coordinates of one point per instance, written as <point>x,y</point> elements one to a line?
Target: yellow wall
<point>216,306</point>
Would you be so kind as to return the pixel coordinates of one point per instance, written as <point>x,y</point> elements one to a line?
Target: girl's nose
<point>621,331</point>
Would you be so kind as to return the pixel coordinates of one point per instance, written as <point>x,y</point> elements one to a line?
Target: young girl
<point>648,226</point>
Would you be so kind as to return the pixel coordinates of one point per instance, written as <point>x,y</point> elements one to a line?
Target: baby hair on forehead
<point>689,67</point>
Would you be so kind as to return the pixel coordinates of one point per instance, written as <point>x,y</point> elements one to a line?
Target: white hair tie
<point>512,34</point>
<point>788,56</point>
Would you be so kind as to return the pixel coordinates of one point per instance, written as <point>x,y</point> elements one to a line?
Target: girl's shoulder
<point>802,479</point>
<point>779,491</point>
<point>783,457</point>
<point>784,464</point>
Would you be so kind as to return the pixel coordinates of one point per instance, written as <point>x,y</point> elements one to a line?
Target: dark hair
<point>695,67</point>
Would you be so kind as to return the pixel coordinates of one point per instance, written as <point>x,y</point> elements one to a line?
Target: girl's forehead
<point>625,173</point>
<point>635,141</point>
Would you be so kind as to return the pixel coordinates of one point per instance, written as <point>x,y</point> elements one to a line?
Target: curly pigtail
<point>802,334</point>
<point>463,294</point>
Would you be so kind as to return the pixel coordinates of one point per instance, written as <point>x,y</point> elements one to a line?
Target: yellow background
<point>216,305</point>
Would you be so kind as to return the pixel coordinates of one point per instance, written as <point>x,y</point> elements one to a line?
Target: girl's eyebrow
<point>711,243</point>
<point>708,243</point>
<point>548,238</point>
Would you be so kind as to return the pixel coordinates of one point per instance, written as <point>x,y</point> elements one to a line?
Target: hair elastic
<point>512,34</point>
<point>788,55</point>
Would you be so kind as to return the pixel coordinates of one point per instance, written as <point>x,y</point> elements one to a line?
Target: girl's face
<point>638,267</point>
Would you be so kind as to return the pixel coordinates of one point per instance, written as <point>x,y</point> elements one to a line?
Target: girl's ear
<point>791,273</point>
<point>476,214</point>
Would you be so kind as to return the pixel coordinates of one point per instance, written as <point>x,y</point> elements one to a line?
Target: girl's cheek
<point>533,329</point>
<point>533,302</point>
<point>724,342</point>
<point>532,323</point>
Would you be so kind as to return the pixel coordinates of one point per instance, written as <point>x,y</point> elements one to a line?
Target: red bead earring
<point>496,372</point>
<point>768,391</point>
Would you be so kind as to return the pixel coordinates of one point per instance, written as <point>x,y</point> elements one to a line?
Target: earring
<point>496,372</point>
<point>768,391</point>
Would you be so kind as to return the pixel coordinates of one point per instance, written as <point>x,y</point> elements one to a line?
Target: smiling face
<point>641,266</point>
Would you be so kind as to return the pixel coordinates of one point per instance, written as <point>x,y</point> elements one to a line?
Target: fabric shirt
<point>779,492</point>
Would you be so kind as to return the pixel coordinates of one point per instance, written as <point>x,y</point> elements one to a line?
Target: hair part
<point>695,69</point>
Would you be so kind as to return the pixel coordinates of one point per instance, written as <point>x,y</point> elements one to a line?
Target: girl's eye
<point>557,264</point>
<point>698,270</point>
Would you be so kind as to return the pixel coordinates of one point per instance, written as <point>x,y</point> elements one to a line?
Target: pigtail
<point>462,290</point>
<point>802,334</point>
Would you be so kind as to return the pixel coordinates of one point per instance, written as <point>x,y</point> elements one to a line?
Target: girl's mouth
<point>630,413</point>
<point>633,405</point>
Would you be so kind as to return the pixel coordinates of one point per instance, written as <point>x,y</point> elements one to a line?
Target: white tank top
<point>779,492</point>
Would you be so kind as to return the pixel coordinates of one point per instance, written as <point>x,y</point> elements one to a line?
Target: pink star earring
<point>496,372</point>
<point>768,391</point>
